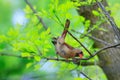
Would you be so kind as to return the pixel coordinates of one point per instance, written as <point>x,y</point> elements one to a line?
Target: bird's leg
<point>76,61</point>
<point>67,60</point>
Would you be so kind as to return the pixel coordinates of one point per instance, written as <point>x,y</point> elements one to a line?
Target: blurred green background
<point>12,15</point>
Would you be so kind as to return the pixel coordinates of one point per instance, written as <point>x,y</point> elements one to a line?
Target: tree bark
<point>109,59</point>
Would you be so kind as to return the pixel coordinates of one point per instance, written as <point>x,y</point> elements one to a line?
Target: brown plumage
<point>63,49</point>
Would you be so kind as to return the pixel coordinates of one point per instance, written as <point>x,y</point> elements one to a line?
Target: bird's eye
<point>59,42</point>
<point>81,52</point>
<point>77,54</point>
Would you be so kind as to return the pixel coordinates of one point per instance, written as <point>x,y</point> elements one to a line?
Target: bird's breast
<point>64,51</point>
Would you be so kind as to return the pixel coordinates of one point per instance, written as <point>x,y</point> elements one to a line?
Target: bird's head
<point>78,53</point>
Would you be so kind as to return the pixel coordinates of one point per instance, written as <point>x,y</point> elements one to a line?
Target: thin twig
<point>111,21</point>
<point>105,12</point>
<point>85,75</point>
<point>38,50</point>
<point>40,19</point>
<point>73,36</point>
<point>80,43</point>
<point>46,58</point>
<point>94,38</point>
<point>14,55</point>
<point>102,49</point>
<point>97,52</point>
<point>35,12</point>
<point>58,19</point>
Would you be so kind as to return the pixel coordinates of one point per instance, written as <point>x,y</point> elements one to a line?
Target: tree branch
<point>102,49</point>
<point>105,12</point>
<point>13,55</point>
<point>85,75</point>
<point>56,59</point>
<point>88,63</point>
<point>111,21</point>
<point>73,35</point>
<point>35,12</point>
<point>40,20</point>
<point>94,38</point>
<point>80,43</point>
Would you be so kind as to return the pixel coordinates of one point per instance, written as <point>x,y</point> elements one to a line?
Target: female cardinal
<point>63,49</point>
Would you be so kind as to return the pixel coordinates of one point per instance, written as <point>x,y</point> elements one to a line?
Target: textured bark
<point>109,59</point>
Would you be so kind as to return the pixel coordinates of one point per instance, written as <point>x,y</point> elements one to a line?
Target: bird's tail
<point>66,28</point>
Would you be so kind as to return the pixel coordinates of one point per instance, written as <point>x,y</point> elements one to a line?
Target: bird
<point>63,49</point>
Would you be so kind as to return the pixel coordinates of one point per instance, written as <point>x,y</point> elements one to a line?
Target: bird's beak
<point>80,55</point>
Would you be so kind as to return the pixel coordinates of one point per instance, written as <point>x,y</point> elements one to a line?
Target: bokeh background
<point>12,15</point>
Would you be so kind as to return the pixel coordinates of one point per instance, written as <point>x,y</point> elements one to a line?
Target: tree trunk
<point>109,59</point>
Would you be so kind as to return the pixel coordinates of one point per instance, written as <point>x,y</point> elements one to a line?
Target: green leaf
<point>37,58</point>
<point>48,31</point>
<point>96,13</point>
<point>78,78</point>
<point>87,24</point>
<point>13,32</point>
<point>3,38</point>
<point>37,66</point>
<point>27,9</point>
<point>82,19</point>
<point>25,54</point>
<point>29,65</point>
